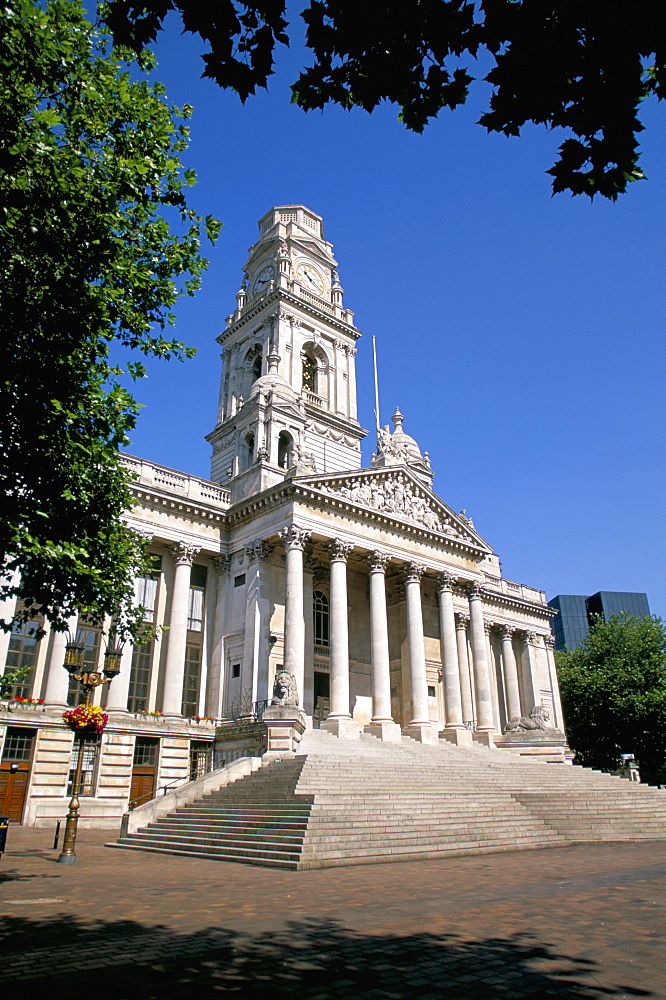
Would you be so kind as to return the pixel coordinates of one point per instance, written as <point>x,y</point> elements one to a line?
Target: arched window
<point>321,617</point>
<point>285,450</point>
<point>309,373</point>
<point>248,451</point>
<point>256,367</point>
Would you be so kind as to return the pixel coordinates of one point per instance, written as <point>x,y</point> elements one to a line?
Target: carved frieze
<point>395,495</point>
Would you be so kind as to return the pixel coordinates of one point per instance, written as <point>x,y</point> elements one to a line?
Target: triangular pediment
<point>398,493</point>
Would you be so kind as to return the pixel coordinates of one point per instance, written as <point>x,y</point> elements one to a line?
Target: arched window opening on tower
<point>320,612</point>
<point>310,371</point>
<point>285,450</point>
<point>248,451</point>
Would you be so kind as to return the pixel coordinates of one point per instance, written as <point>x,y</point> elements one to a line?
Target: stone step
<point>338,802</point>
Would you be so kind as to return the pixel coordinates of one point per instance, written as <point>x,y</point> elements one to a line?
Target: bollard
<point>4,823</point>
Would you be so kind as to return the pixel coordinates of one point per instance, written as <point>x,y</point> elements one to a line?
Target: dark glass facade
<point>576,613</point>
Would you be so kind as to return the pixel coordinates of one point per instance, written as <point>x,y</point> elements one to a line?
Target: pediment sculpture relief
<point>394,496</point>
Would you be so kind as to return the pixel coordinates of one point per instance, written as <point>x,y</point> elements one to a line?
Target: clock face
<point>263,278</point>
<point>308,276</point>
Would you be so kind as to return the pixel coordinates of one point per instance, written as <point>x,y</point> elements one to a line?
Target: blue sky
<point>520,334</point>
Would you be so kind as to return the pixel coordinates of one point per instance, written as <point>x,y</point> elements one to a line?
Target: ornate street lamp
<point>89,680</point>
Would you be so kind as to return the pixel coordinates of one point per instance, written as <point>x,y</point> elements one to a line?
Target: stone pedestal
<point>344,728</point>
<point>459,737</point>
<point>389,732</point>
<point>485,739</point>
<point>285,726</point>
<point>422,732</point>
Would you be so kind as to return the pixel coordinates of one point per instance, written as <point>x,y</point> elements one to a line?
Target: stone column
<point>174,668</point>
<point>294,540</point>
<point>215,685</point>
<point>420,727</point>
<point>7,607</point>
<point>484,704</point>
<point>382,725</point>
<point>557,722</point>
<point>57,678</point>
<point>531,687</point>
<point>511,685</point>
<point>462,621</point>
<point>255,647</point>
<point>339,721</point>
<point>449,652</point>
<point>117,691</point>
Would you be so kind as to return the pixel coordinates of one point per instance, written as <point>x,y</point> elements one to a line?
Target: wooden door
<point>143,784</point>
<point>15,770</point>
<point>13,790</point>
<point>144,770</point>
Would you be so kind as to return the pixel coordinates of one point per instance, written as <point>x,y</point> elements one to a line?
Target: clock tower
<point>287,399</point>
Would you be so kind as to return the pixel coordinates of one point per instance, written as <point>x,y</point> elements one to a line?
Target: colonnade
<point>469,691</point>
<point>470,683</point>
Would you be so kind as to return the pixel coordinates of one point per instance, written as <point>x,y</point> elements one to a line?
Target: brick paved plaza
<point>578,922</point>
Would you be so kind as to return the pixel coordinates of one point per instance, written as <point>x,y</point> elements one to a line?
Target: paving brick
<point>579,923</point>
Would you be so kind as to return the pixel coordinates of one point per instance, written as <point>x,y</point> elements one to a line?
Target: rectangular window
<point>89,636</point>
<point>201,758</point>
<point>90,758</point>
<point>235,670</point>
<point>191,680</point>
<point>239,581</point>
<point>145,751</point>
<point>23,647</point>
<point>18,744</point>
<point>139,685</point>
<point>195,614</point>
<point>431,691</point>
<point>145,589</point>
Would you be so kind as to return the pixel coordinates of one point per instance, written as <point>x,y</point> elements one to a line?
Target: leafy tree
<point>581,65</point>
<point>614,695</point>
<point>96,243</point>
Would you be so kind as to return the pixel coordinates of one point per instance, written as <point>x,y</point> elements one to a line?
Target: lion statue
<point>285,691</point>
<point>538,718</point>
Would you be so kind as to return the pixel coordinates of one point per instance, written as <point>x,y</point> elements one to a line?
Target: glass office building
<point>575,613</point>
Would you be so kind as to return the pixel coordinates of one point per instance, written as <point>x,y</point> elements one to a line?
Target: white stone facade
<point>388,607</point>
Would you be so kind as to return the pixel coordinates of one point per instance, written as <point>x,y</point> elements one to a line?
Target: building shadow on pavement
<point>317,960</point>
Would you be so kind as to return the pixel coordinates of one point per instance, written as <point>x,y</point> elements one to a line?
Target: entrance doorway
<point>144,770</point>
<point>15,771</point>
<point>322,697</point>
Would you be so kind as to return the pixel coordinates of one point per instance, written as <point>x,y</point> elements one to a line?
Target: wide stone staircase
<point>344,802</point>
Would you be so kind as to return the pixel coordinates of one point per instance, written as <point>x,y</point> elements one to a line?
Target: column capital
<point>488,626</point>
<point>294,537</point>
<point>445,582</point>
<point>259,550</point>
<point>549,641</point>
<point>377,561</point>
<point>508,632</point>
<point>222,563</point>
<point>413,572</point>
<point>338,550</point>
<point>476,591</point>
<point>184,553</point>
<point>529,637</point>
<point>462,620</point>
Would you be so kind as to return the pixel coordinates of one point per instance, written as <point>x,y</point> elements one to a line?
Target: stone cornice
<point>281,296</point>
<point>152,497</point>
<point>491,597</point>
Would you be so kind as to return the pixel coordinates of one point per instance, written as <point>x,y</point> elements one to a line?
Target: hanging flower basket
<point>86,721</point>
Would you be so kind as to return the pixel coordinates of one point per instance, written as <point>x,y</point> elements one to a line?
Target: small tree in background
<point>614,695</point>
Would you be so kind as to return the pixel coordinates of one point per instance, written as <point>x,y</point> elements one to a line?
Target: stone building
<point>388,607</point>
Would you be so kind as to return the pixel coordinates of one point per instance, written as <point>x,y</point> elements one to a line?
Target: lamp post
<point>89,680</point>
